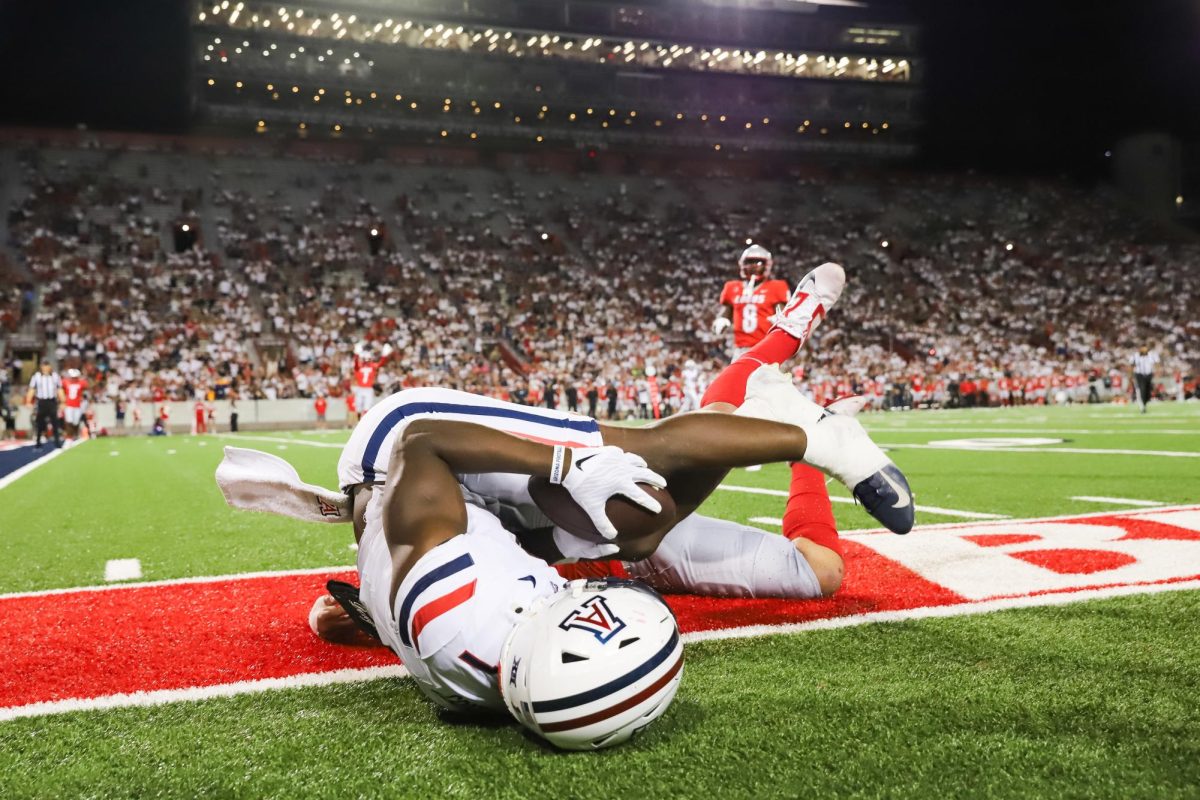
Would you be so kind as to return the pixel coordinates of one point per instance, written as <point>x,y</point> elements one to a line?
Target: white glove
<point>598,473</point>
<point>575,547</point>
<point>358,348</point>
<point>720,324</point>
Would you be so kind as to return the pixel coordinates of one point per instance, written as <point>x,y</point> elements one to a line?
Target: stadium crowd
<point>962,290</point>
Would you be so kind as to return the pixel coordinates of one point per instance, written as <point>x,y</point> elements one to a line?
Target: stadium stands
<point>507,281</point>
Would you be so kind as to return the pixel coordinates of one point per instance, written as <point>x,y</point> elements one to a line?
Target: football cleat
<point>840,447</point>
<point>838,444</point>
<point>848,406</point>
<point>887,497</point>
<point>771,395</point>
<point>814,295</point>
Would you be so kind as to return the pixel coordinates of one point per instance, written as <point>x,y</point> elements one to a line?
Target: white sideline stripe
<point>1048,449</point>
<point>245,438</point>
<point>928,612</point>
<point>1117,501</point>
<point>776,521</point>
<point>945,512</point>
<point>32,465</point>
<point>192,694</point>
<point>238,576</point>
<point>122,569</point>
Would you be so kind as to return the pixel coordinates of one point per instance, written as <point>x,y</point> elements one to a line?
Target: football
<point>631,520</point>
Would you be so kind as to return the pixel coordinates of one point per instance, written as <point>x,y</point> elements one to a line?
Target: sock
<point>730,386</point>
<point>809,512</point>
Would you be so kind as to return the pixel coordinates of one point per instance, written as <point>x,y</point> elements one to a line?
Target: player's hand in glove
<point>720,324</point>
<point>598,473</point>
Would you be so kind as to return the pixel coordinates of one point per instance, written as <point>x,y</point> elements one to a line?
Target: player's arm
<point>724,313</point>
<point>423,505</point>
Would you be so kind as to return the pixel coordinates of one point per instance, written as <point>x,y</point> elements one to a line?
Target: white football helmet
<point>756,256</point>
<point>593,664</point>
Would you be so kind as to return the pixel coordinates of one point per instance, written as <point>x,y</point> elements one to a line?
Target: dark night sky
<point>1021,84</point>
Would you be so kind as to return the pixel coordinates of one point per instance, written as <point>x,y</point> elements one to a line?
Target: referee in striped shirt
<point>1143,374</point>
<point>46,388</point>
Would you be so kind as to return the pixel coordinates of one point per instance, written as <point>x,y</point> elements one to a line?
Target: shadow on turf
<point>683,716</point>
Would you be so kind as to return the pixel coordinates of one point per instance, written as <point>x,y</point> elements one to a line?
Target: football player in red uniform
<point>752,301</point>
<point>74,387</point>
<point>366,373</point>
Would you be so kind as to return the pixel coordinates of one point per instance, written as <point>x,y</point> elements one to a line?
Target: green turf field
<point>1095,699</point>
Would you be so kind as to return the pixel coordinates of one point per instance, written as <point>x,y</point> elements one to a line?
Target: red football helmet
<point>756,262</point>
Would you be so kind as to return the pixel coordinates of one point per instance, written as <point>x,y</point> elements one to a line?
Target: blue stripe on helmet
<point>398,414</point>
<point>592,695</point>
<point>427,580</point>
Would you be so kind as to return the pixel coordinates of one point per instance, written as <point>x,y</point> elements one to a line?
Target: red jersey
<point>321,405</point>
<point>365,372</point>
<point>74,388</point>
<point>752,310</point>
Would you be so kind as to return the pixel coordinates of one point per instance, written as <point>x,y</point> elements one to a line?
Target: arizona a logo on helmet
<point>595,617</point>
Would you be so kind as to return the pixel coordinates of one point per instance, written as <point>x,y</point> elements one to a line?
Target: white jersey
<point>365,457</point>
<point>456,606</point>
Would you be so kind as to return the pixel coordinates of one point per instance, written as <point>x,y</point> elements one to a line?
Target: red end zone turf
<point>85,644</point>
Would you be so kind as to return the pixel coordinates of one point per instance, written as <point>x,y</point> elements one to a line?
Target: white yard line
<point>238,576</point>
<point>942,526</point>
<point>277,439</point>
<point>122,569</point>
<point>1047,449</point>
<point>32,465</point>
<point>1117,501</point>
<point>928,612</point>
<point>191,694</point>
<point>945,512</point>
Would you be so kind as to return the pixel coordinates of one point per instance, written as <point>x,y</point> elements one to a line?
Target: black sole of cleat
<point>887,497</point>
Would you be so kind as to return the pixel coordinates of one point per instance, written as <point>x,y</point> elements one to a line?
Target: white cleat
<point>840,447</point>
<point>771,395</point>
<point>837,444</point>
<point>848,406</point>
<point>814,295</point>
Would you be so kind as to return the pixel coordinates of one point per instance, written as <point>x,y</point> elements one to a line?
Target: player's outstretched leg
<point>811,300</point>
<point>837,445</point>
<point>815,294</point>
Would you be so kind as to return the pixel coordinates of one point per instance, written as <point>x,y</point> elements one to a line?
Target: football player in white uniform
<point>451,591</point>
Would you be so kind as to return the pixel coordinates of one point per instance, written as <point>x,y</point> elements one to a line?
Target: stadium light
<point>185,227</point>
<point>884,243</point>
<point>545,236</point>
<point>1008,246</point>
<point>1178,199</point>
